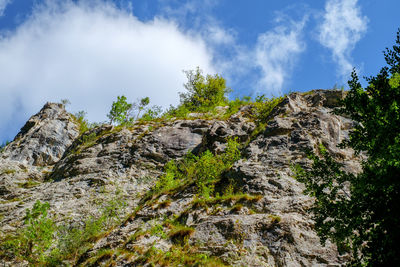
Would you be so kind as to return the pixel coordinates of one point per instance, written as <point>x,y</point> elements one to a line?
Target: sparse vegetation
<point>41,243</point>
<point>121,111</point>
<point>203,171</point>
<point>84,124</point>
<point>7,171</point>
<point>203,175</point>
<point>3,145</point>
<point>34,239</point>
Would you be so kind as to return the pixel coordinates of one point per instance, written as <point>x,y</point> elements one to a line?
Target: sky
<point>90,52</point>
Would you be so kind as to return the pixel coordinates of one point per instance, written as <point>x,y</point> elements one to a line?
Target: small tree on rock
<point>120,112</point>
<point>203,91</point>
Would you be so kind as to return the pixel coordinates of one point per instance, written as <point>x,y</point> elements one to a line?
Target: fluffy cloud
<point>342,28</point>
<point>3,5</point>
<point>276,52</point>
<point>89,54</point>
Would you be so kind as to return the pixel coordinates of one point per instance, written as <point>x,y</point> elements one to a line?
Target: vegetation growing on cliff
<point>360,212</point>
<point>41,242</point>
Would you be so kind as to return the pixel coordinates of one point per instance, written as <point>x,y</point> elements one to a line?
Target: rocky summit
<point>255,215</point>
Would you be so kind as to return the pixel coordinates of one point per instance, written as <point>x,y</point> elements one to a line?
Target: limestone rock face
<point>50,161</point>
<point>44,137</point>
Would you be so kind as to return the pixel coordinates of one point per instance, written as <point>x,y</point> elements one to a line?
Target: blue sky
<point>92,51</point>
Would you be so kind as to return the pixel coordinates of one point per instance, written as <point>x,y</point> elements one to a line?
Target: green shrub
<point>202,91</point>
<point>204,170</point>
<point>263,107</point>
<point>32,242</point>
<point>203,94</point>
<point>84,124</point>
<point>42,243</point>
<point>121,111</point>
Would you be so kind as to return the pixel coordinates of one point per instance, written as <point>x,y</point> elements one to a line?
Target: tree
<point>141,104</point>
<point>120,111</point>
<point>203,91</point>
<point>361,212</point>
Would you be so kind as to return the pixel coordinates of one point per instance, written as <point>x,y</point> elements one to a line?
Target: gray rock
<point>44,137</point>
<point>49,161</point>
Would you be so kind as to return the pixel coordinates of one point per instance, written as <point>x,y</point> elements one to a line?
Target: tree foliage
<point>120,112</point>
<point>203,91</point>
<point>361,213</point>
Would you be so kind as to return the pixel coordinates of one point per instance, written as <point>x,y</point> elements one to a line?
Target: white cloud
<point>90,54</point>
<point>276,52</point>
<point>3,5</point>
<point>342,28</point>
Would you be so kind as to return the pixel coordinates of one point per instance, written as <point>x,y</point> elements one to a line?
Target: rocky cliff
<point>261,221</point>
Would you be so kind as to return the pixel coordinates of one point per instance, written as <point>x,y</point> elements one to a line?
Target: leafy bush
<point>204,170</point>
<point>208,91</point>
<point>203,94</point>
<point>140,105</point>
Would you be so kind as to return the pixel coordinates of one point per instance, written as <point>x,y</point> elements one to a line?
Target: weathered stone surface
<point>49,162</point>
<point>44,137</point>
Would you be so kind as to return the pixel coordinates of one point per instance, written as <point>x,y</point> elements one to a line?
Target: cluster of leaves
<point>121,112</point>
<point>203,94</point>
<point>209,91</point>
<point>204,170</point>
<point>41,243</point>
<point>361,213</point>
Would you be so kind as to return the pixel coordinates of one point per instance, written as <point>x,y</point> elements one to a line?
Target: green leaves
<point>32,241</point>
<point>120,111</point>
<point>361,213</point>
<point>204,170</point>
<point>203,91</point>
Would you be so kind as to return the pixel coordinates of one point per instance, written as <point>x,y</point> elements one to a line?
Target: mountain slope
<point>257,215</point>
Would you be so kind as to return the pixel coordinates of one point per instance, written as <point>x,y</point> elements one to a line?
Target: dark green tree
<point>361,212</point>
<point>203,91</point>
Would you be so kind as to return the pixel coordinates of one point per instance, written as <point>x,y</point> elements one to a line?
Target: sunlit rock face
<point>49,160</point>
<point>44,138</point>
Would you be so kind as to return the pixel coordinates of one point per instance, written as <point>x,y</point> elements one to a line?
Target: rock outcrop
<point>44,138</point>
<point>267,224</point>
